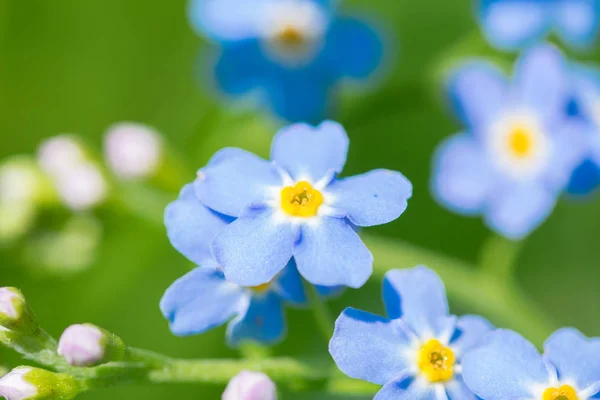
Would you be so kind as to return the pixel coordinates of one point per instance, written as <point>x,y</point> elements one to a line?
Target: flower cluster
<point>292,51</point>
<point>255,227</point>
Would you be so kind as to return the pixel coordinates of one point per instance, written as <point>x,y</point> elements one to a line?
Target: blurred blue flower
<point>515,24</point>
<point>295,206</point>
<point>417,352</point>
<point>507,366</point>
<point>203,299</point>
<point>519,149</point>
<point>292,51</point>
<point>585,107</point>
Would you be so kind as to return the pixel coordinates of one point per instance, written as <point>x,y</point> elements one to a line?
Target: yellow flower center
<point>290,37</point>
<point>261,288</point>
<point>565,392</point>
<point>520,142</point>
<point>301,200</point>
<point>436,361</point>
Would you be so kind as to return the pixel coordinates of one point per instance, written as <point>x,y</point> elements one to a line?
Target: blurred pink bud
<point>82,186</point>
<point>249,385</point>
<point>82,345</point>
<point>133,150</point>
<point>8,299</point>
<point>58,154</point>
<point>14,386</point>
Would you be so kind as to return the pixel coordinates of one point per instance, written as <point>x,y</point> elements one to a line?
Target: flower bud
<point>82,186</point>
<point>15,314</point>
<point>132,150</point>
<point>58,154</point>
<point>86,345</point>
<point>249,385</point>
<point>27,383</point>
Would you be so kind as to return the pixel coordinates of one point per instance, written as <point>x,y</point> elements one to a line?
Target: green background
<point>79,66</point>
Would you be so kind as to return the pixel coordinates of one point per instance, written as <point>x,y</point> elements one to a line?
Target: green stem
<point>320,311</point>
<point>503,302</point>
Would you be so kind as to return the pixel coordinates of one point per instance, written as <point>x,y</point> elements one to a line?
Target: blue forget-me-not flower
<point>514,24</point>
<point>293,52</point>
<point>507,366</point>
<point>585,107</point>
<point>295,206</point>
<point>518,150</point>
<point>417,352</point>
<point>203,299</point>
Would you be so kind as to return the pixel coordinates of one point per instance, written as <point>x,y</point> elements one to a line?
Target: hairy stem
<point>320,311</point>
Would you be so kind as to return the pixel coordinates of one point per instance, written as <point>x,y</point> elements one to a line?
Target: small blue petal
<point>254,248</point>
<point>331,253</point>
<point>308,153</point>
<point>576,358</point>
<point>299,95</point>
<point>463,178</point>
<point>504,366</point>
<point>329,291</point>
<point>457,390</point>
<point>288,285</point>
<point>235,182</point>
<point>541,81</point>
<point>225,19</point>
<point>585,179</point>
<point>513,24</point>
<point>374,198</point>
<point>515,212</point>
<point>570,148</point>
<point>470,330</point>
<point>478,93</point>
<point>233,80</point>
<point>202,300</point>
<point>402,389</point>
<point>354,48</point>
<point>368,347</point>
<point>418,296</point>
<point>577,21</point>
<point>263,323</point>
<point>191,227</point>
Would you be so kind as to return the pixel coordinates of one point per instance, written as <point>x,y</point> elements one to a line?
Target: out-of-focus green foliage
<point>79,66</point>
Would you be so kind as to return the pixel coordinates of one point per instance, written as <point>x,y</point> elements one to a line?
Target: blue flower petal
<point>463,177</point>
<point>309,153</point>
<point>470,330</point>
<point>201,300</point>
<point>374,198</point>
<point>368,347</point>
<point>288,285</point>
<point>541,82</point>
<point>236,181</point>
<point>225,19</point>
<point>478,92</point>
<point>513,24</point>
<point>263,323</point>
<point>575,357</point>
<point>418,296</point>
<point>403,389</point>
<point>254,248</point>
<point>329,291</point>
<point>354,48</point>
<point>331,253</point>
<point>233,80</point>
<point>504,366</point>
<point>570,148</point>
<point>191,227</point>
<point>577,21</point>
<point>299,95</point>
<point>457,390</point>
<point>585,179</point>
<point>516,212</point>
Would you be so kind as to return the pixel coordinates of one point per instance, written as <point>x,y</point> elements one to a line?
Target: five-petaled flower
<point>519,150</point>
<point>292,51</point>
<point>507,366</point>
<point>514,24</point>
<point>417,352</point>
<point>203,299</point>
<point>295,206</point>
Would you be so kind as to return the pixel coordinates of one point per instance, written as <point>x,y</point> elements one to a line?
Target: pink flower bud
<point>13,385</point>
<point>249,385</point>
<point>81,345</point>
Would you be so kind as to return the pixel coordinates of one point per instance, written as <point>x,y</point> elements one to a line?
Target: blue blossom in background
<point>586,108</point>
<point>203,299</point>
<point>417,352</point>
<point>515,24</point>
<point>518,150</point>
<point>507,366</point>
<point>295,206</point>
<point>293,52</point>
